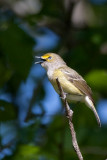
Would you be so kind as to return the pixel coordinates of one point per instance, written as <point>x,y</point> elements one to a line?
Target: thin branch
<point>69,114</point>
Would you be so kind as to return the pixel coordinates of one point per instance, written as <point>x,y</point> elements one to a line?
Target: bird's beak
<point>41,60</point>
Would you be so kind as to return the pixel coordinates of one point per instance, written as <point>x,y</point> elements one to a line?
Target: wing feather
<point>78,81</point>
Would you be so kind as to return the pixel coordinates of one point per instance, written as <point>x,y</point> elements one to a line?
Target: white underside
<point>76,98</point>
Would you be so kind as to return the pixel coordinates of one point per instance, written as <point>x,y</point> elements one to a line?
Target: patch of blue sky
<point>8,132</point>
<point>25,90</point>
<point>5,152</point>
<point>5,96</point>
<point>102,110</point>
<point>98,2</point>
<point>2,155</point>
<point>46,41</point>
<point>52,102</point>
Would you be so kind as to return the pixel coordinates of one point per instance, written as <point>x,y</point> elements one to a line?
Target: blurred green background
<point>32,121</point>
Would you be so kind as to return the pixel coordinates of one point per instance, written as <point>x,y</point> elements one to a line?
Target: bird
<point>73,84</point>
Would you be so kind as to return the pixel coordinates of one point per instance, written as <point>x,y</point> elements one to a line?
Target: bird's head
<point>51,61</point>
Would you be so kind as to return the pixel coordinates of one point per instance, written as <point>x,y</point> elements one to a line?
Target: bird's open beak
<point>41,60</point>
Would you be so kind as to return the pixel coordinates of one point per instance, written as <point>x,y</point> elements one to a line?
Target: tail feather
<point>90,104</point>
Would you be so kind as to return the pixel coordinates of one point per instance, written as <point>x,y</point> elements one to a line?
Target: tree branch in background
<point>69,114</point>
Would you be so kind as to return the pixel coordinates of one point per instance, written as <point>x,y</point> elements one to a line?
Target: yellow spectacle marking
<point>45,56</point>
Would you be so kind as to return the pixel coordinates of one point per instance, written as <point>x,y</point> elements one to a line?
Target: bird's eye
<point>50,57</point>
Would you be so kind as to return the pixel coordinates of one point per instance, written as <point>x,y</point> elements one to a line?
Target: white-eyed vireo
<point>73,84</point>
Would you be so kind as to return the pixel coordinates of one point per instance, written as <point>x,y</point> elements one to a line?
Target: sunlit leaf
<point>29,152</point>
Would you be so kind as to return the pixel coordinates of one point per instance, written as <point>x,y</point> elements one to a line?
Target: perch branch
<point>69,114</point>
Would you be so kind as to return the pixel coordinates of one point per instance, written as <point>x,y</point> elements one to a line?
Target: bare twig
<point>69,114</point>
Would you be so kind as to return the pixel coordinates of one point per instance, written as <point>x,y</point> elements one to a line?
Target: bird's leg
<point>63,97</point>
<point>68,111</point>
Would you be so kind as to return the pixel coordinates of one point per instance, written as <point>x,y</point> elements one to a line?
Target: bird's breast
<point>67,86</point>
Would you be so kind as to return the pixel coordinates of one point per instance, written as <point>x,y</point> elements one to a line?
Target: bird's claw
<point>63,97</point>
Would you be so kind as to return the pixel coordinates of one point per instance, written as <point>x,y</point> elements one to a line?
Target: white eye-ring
<point>49,57</point>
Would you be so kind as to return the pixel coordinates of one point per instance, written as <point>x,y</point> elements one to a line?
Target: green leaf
<point>7,111</point>
<point>5,73</point>
<point>26,152</point>
<point>97,80</point>
<point>17,47</point>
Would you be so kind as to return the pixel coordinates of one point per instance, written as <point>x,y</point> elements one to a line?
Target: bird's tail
<point>90,104</point>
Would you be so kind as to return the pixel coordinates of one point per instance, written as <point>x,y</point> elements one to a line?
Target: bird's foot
<point>63,96</point>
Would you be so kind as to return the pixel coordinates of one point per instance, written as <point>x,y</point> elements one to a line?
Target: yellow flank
<point>67,86</point>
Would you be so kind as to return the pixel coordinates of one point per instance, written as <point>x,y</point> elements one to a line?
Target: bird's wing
<point>77,80</point>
